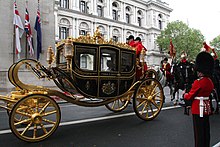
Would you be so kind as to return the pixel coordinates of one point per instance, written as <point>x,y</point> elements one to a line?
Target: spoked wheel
<point>119,104</point>
<point>148,99</point>
<point>34,118</point>
<point>151,73</point>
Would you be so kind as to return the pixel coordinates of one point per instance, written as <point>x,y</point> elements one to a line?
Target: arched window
<point>115,35</point>
<point>102,30</point>
<point>115,10</point>
<point>100,10</point>
<point>160,25</point>
<point>83,28</point>
<point>64,4</point>
<point>139,18</point>
<point>128,13</point>
<point>64,28</point>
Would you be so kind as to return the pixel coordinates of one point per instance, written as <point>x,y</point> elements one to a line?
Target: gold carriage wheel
<point>119,104</point>
<point>151,73</point>
<point>10,106</point>
<point>10,77</point>
<point>39,117</point>
<point>148,99</point>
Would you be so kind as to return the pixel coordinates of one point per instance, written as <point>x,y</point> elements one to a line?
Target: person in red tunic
<point>166,68</point>
<point>131,41</point>
<point>199,95</point>
<point>140,70</point>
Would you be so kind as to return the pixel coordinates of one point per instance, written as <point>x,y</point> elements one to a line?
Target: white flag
<point>19,29</point>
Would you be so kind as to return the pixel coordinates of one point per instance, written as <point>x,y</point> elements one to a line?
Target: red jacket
<point>132,43</point>
<point>201,87</point>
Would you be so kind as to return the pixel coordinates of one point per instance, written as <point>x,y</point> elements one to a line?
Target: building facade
<point>116,19</point>
<point>7,35</point>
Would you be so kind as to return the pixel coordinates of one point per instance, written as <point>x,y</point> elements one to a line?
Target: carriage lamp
<point>68,52</point>
<point>50,55</point>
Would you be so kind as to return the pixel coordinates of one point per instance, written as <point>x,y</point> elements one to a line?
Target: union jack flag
<point>28,31</point>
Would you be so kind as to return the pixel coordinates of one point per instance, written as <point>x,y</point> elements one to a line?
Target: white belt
<point>201,104</point>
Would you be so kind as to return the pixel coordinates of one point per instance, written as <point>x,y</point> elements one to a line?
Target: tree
<point>215,43</point>
<point>184,39</point>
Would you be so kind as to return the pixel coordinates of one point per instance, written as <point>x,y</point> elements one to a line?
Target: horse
<point>163,80</point>
<point>183,77</point>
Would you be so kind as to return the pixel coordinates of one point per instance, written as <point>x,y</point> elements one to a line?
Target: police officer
<point>199,95</point>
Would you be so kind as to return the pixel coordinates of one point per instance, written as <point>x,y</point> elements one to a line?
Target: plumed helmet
<point>204,63</point>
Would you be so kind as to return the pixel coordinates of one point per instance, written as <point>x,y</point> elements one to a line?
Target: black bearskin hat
<point>204,63</point>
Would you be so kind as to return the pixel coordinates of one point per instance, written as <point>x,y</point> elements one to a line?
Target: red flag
<point>172,49</point>
<point>207,48</point>
<point>19,29</point>
<point>28,31</point>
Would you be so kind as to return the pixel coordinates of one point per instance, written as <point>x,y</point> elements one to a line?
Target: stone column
<point>73,27</point>
<point>110,8</point>
<point>76,27</point>
<point>77,5</point>
<point>95,8</point>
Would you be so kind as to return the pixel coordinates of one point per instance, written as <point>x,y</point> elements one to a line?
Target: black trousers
<point>201,127</point>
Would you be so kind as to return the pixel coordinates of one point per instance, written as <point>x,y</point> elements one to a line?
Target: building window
<point>82,32</point>
<point>115,38</point>
<point>139,21</point>
<point>127,18</point>
<point>63,32</point>
<point>83,6</point>
<point>99,10</point>
<point>64,3</point>
<point>115,15</point>
<point>160,21</point>
<point>160,25</point>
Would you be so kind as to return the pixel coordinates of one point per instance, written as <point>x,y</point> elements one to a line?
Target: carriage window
<point>109,60</point>
<point>85,58</point>
<point>126,62</point>
<point>60,56</point>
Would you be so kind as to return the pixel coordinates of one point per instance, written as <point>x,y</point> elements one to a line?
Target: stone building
<point>7,43</point>
<point>116,19</point>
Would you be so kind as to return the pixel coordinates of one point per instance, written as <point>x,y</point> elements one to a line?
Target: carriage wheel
<point>34,118</point>
<point>148,99</point>
<point>151,73</point>
<point>119,104</point>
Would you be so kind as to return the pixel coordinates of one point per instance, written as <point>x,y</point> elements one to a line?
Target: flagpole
<point>13,48</point>
<point>26,46</point>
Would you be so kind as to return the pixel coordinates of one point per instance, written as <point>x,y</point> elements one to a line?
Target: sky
<point>203,15</point>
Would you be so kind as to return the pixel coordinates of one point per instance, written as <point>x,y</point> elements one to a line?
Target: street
<point>99,127</point>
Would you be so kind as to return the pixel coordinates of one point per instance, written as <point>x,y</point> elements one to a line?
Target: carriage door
<point>109,71</point>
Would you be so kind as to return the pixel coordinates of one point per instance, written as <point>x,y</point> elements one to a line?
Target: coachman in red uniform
<point>142,65</point>
<point>199,94</point>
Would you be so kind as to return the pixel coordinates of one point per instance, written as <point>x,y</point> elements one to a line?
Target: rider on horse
<point>166,68</point>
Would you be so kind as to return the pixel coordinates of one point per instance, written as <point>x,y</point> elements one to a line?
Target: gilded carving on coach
<point>108,88</point>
